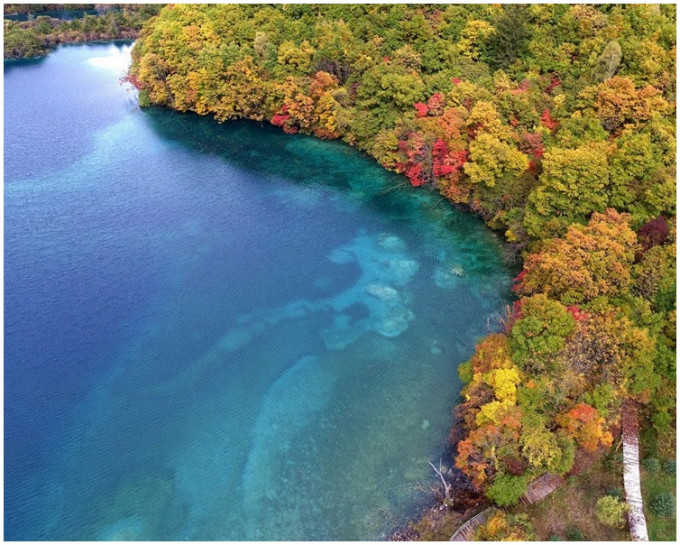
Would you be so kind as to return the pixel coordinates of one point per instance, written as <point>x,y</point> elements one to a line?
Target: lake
<point>220,332</point>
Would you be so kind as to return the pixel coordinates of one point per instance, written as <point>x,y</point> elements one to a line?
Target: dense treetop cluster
<point>555,123</point>
<point>13,9</point>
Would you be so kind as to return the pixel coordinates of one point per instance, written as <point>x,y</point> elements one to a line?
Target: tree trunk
<point>447,486</point>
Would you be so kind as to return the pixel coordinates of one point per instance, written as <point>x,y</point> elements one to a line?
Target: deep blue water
<point>219,331</point>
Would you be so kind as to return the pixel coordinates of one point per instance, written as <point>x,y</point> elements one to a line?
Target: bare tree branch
<point>447,486</point>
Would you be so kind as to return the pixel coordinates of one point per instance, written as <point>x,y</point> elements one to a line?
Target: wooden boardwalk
<point>549,482</point>
<point>536,491</point>
<point>631,473</point>
<point>541,487</point>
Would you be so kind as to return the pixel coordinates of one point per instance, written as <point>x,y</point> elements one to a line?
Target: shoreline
<point>466,500</point>
<point>38,36</point>
<point>52,44</point>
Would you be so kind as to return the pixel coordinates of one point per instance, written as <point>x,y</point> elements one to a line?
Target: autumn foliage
<point>586,426</point>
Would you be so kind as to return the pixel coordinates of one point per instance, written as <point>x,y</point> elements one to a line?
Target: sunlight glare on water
<point>116,59</point>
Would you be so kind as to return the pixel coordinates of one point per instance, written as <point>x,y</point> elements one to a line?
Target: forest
<point>553,123</point>
<point>12,9</point>
<point>35,36</point>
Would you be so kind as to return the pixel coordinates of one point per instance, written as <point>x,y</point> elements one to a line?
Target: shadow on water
<point>237,142</point>
<point>13,64</point>
<point>119,43</point>
<point>262,149</point>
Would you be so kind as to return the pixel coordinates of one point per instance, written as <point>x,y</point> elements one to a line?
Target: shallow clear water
<point>219,332</point>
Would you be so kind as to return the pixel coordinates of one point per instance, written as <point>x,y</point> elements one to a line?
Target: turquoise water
<point>219,331</point>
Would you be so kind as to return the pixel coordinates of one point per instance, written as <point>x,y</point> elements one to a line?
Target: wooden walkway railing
<point>468,530</point>
<point>536,491</point>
